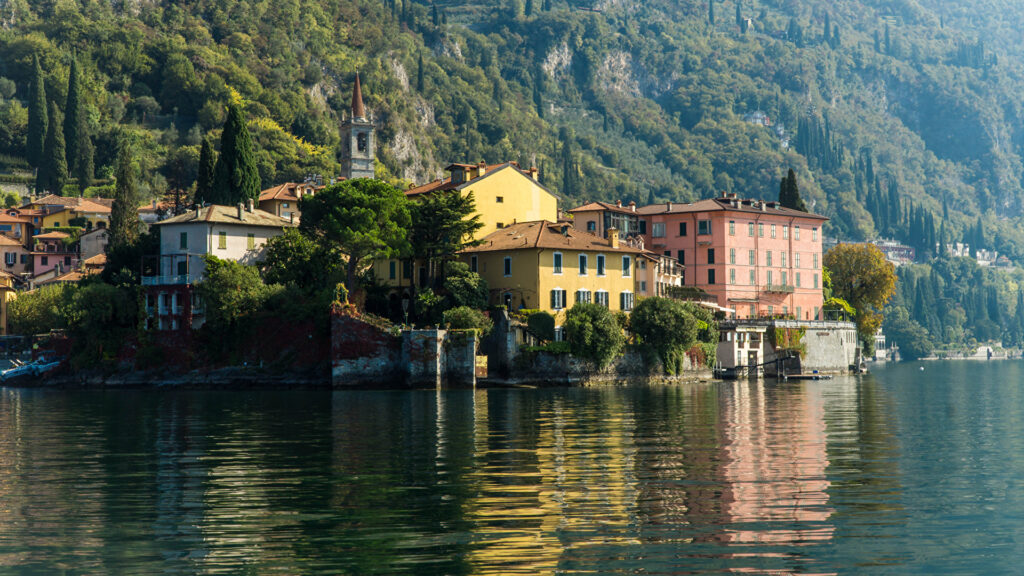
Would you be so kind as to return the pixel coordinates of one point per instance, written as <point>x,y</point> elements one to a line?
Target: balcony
<point>780,288</point>
<point>180,280</point>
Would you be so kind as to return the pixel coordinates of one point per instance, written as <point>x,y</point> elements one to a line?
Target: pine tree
<point>37,117</point>
<point>711,12</point>
<point>419,76</point>
<point>207,171</point>
<point>73,115</point>
<point>236,177</point>
<point>53,173</point>
<point>124,218</point>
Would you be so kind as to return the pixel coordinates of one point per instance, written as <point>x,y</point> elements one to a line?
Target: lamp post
<point>405,308</point>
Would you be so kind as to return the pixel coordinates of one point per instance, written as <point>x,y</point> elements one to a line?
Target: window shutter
<point>554,301</point>
<point>622,301</point>
<point>562,294</point>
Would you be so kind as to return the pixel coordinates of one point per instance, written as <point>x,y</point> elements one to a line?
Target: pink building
<point>51,252</point>
<point>755,257</point>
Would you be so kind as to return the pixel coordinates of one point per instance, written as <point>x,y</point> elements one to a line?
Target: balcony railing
<point>780,288</point>
<point>171,280</point>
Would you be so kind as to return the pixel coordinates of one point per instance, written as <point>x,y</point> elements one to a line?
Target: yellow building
<point>96,214</point>
<point>7,293</point>
<point>548,266</point>
<point>504,193</point>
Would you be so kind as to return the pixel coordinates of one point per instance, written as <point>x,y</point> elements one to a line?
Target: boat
<point>39,367</point>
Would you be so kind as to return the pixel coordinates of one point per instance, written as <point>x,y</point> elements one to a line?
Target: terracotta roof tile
<point>544,234</point>
<point>725,205</point>
<point>52,236</point>
<point>216,214</point>
<point>598,206</point>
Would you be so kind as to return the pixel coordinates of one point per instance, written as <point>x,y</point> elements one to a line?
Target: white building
<point>230,233</point>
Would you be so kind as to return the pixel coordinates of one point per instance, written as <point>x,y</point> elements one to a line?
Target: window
<point>601,297</point>
<point>785,278</point>
<point>784,259</point>
<point>732,276</point>
<point>222,240</point>
<point>407,269</point>
<point>626,300</point>
<point>182,268</point>
<point>814,234</point>
<point>643,226</point>
<point>816,311</point>
<point>583,296</point>
<point>499,225</point>
<point>474,263</point>
<point>600,265</point>
<point>508,266</point>
<point>627,266</point>
<point>711,276</point>
<point>284,205</point>
<point>641,264</point>
<point>583,264</point>
<point>753,311</point>
<point>785,310</point>
<point>682,228</point>
<point>799,312</point>
<point>753,257</point>
<point>559,334</point>
<point>393,270</point>
<point>796,233</point>
<point>732,256</point>
<point>250,241</point>
<point>815,261</point>
<point>45,261</point>
<point>768,258</point>
<point>643,286</point>
<point>668,253</point>
<point>796,260</point>
<point>658,230</point>
<point>499,199</point>
<point>681,256</point>
<point>753,278</point>
<point>10,258</point>
<point>732,227</point>
<point>760,230</point>
<point>591,226</point>
<point>24,258</point>
<point>785,232</point>
<point>557,299</point>
<point>773,230</point>
<point>556,262</point>
<point>768,277</point>
<point>814,284</point>
<point>183,241</point>
<point>750,229</point>
<point>362,141</point>
<point>67,260</point>
<point>703,227</point>
<point>771,310</point>
<point>797,279</point>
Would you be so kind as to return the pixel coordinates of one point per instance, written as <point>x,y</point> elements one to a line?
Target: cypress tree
<point>207,168</point>
<point>124,216</point>
<point>84,161</point>
<point>528,11</point>
<point>547,5</point>
<point>789,193</point>
<point>711,12</point>
<point>73,115</point>
<point>434,17</point>
<point>569,175</point>
<point>236,178</point>
<point>53,173</point>
<point>538,98</point>
<point>739,14</point>
<point>419,75</point>
<point>827,32</point>
<point>37,117</point>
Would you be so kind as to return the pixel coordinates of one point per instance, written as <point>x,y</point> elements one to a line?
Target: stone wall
<point>831,347</point>
<point>544,368</point>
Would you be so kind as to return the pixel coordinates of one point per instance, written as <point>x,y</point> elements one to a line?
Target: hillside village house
<point>7,293</point>
<point>15,226</point>
<point>57,211</point>
<point>551,266</point>
<point>230,233</point>
<point>93,243</point>
<point>52,251</point>
<point>503,193</point>
<point>657,274</point>
<point>756,258</point>
<point>283,200</point>
<point>16,256</point>
<point>598,217</point>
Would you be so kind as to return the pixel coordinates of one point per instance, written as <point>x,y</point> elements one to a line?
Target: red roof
<point>727,204</point>
<point>603,206</point>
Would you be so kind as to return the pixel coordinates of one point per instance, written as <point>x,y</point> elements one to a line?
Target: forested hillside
<point>900,117</point>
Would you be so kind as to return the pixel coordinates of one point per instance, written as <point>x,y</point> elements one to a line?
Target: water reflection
<point>703,478</point>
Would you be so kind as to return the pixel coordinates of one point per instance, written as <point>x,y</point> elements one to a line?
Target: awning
<point>716,307</point>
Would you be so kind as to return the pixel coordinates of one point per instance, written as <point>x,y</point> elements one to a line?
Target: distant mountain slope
<point>903,119</point>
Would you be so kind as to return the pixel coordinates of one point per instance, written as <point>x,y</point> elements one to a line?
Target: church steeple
<point>358,139</point>
<point>358,108</point>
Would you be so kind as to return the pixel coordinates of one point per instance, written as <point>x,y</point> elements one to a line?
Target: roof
<point>358,109</point>
<point>8,241</point>
<point>445,184</point>
<point>5,217</point>
<point>286,192</point>
<point>726,204</point>
<point>97,261</point>
<point>55,235</point>
<point>72,276</point>
<point>544,234</point>
<point>71,201</point>
<point>602,206</point>
<point>162,206</point>
<point>217,214</point>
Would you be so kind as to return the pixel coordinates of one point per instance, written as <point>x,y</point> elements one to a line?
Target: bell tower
<point>358,139</point>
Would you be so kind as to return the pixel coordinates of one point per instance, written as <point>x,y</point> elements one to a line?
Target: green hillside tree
<point>207,172</point>
<point>38,116</point>
<point>53,172</point>
<point>73,115</point>
<point>419,75</point>
<point>124,216</point>
<point>789,193</point>
<point>711,12</point>
<point>236,177</point>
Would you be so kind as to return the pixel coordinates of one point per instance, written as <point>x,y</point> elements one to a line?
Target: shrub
<point>466,318</point>
<point>541,325</point>
<point>593,334</point>
<point>465,288</point>
<point>666,327</point>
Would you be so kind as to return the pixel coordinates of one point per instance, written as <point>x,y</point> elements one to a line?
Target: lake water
<point>900,472</point>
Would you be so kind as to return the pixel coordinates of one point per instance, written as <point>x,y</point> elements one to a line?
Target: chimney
<point>250,205</point>
<point>481,169</point>
<point>197,211</point>
<point>618,203</point>
<point>632,206</point>
<point>534,173</point>
<point>241,211</point>
<point>669,205</point>
<point>613,238</point>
